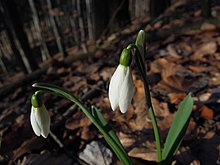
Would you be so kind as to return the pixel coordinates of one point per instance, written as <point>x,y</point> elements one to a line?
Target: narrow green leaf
<point>177,129</point>
<point>97,114</point>
<point>100,118</point>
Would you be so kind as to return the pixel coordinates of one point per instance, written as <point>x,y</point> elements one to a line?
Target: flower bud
<point>140,43</point>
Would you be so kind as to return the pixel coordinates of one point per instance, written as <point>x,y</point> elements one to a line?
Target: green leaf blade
<point>100,118</point>
<point>97,114</point>
<point>177,129</point>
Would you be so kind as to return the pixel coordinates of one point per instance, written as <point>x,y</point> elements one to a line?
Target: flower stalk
<point>141,67</point>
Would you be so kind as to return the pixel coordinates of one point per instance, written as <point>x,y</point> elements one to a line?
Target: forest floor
<point>182,56</point>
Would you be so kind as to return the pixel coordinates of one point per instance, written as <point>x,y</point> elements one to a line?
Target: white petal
<point>115,86</point>
<point>127,92</point>
<point>34,124</point>
<point>43,120</point>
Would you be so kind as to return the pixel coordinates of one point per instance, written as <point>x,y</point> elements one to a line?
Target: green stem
<point>52,89</point>
<point>153,119</point>
<point>141,68</point>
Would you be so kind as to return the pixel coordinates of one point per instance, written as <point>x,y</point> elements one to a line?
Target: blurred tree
<point>11,38</point>
<point>118,13</point>
<point>108,17</point>
<point>206,8</point>
<point>15,30</point>
<point>58,36</point>
<point>157,7</point>
<point>100,17</point>
<point>43,46</point>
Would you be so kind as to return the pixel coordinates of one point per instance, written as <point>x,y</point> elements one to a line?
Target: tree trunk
<point>2,64</point>
<point>17,27</point>
<point>206,8</point>
<point>117,16</point>
<point>56,31</point>
<point>15,30</point>
<point>157,7</point>
<point>44,51</point>
<point>100,17</point>
<point>90,10</point>
<point>81,26</point>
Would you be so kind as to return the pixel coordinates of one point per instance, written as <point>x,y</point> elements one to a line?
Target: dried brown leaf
<point>207,113</point>
<point>207,27</point>
<point>77,121</point>
<point>127,140</point>
<point>47,158</point>
<point>172,51</point>
<point>143,153</point>
<point>29,145</point>
<point>176,98</point>
<point>204,49</point>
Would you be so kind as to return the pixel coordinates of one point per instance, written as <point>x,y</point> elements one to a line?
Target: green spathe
<point>126,57</point>
<point>36,100</point>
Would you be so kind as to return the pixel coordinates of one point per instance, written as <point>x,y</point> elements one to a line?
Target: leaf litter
<point>180,63</point>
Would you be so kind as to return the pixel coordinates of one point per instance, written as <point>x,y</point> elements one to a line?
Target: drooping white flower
<point>121,88</point>
<point>40,121</point>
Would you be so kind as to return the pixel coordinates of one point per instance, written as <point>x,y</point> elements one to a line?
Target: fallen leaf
<point>78,120</point>
<point>96,153</point>
<point>29,145</point>
<point>88,133</point>
<point>127,140</point>
<point>172,51</point>
<point>47,157</point>
<point>100,53</point>
<point>176,98</point>
<point>178,22</point>
<point>207,113</point>
<point>203,146</point>
<point>207,26</point>
<point>204,49</point>
<point>143,153</point>
<point>107,73</point>
<point>205,96</point>
<point>184,155</point>
<point>158,24</point>
<point>198,68</point>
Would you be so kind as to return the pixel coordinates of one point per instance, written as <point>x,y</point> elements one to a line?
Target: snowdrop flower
<point>40,119</point>
<point>121,88</point>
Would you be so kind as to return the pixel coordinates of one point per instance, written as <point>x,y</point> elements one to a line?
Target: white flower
<point>121,88</point>
<point>40,121</point>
